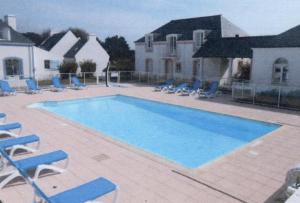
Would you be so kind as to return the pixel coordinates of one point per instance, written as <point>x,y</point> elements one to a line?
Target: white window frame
<point>198,42</point>
<point>53,64</point>
<point>280,76</point>
<point>178,67</point>
<point>149,42</point>
<point>172,44</point>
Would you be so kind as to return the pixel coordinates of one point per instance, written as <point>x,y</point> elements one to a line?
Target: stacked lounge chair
<point>57,86</point>
<point>211,92</point>
<point>20,168</point>
<point>195,88</point>
<point>177,89</point>
<point>164,86</point>
<point>6,89</point>
<point>77,84</point>
<point>32,87</point>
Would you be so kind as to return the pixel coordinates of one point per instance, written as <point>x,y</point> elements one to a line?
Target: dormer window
<point>149,42</point>
<point>5,34</point>
<point>198,38</point>
<point>172,44</point>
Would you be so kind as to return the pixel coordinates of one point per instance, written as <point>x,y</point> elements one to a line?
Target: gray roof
<point>233,47</point>
<point>75,48</point>
<point>16,37</point>
<point>241,47</point>
<point>185,28</point>
<point>49,43</point>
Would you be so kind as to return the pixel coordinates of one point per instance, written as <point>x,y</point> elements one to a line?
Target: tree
<point>244,70</point>
<point>121,57</point>
<point>67,67</point>
<point>81,33</point>
<point>37,38</point>
<point>88,67</point>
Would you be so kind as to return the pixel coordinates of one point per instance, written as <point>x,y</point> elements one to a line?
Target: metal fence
<point>271,95</point>
<point>242,91</point>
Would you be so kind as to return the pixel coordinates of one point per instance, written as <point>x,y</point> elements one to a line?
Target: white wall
<point>184,56</point>
<point>264,58</point>
<point>22,52</point>
<point>64,44</point>
<point>40,56</point>
<point>92,50</point>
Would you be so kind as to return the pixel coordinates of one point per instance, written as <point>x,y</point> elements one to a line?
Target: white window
<point>178,68</point>
<point>51,64</point>
<point>198,38</point>
<point>149,42</point>
<point>172,44</point>
<point>280,71</point>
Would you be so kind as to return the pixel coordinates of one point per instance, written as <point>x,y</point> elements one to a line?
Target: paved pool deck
<point>250,174</point>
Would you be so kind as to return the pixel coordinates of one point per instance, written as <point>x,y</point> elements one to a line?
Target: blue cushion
<point>2,115</point>
<point>18,141</point>
<point>85,192</point>
<point>10,126</point>
<point>35,161</point>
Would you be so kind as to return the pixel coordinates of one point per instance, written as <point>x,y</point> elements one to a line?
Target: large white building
<point>210,48</point>
<point>168,51</point>
<point>20,58</point>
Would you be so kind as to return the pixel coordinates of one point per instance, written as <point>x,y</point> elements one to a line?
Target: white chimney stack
<point>11,21</point>
<point>92,36</point>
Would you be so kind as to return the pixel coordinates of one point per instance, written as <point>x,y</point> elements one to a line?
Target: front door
<point>169,69</point>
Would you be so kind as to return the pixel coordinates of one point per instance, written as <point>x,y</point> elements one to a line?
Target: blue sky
<point>133,18</point>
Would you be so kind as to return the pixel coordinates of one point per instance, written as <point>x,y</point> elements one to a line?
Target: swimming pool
<point>187,136</point>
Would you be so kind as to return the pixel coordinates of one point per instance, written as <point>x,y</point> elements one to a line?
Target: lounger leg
<point>4,132</point>
<point>12,176</point>
<point>46,167</point>
<point>23,147</point>
<point>115,199</point>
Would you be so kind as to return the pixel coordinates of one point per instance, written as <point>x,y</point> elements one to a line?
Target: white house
<point>168,51</point>
<point>18,55</point>
<point>20,59</point>
<point>274,59</point>
<point>71,48</point>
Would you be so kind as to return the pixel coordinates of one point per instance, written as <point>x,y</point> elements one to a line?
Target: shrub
<point>88,66</point>
<point>243,72</point>
<point>68,67</point>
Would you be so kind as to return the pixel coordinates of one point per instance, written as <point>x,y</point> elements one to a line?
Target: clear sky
<point>133,18</point>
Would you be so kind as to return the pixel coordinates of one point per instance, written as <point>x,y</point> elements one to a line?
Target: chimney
<point>11,21</point>
<point>92,37</point>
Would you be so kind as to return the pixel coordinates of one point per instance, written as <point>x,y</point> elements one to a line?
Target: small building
<point>19,57</point>
<point>274,59</point>
<point>74,49</point>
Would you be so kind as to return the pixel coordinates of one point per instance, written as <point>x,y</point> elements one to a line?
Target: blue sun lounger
<point>212,90</point>
<point>37,163</point>
<point>6,89</point>
<point>10,126</point>
<point>165,85</point>
<point>77,84</point>
<point>178,89</point>
<point>80,194</point>
<point>2,117</point>
<point>57,86</point>
<point>196,87</point>
<point>15,144</point>
<point>32,87</point>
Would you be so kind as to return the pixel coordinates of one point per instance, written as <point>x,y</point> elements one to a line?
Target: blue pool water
<point>186,136</point>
